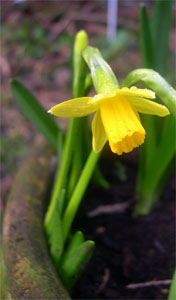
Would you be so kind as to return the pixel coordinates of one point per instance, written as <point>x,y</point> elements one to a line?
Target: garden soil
<point>129,251</point>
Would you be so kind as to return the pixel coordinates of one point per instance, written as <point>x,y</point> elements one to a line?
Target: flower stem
<point>79,192</point>
<point>77,162</point>
<point>62,170</point>
<point>79,74</point>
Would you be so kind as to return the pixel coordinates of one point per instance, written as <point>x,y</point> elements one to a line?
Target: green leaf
<point>54,236</point>
<point>120,171</point>
<point>72,268</point>
<point>153,171</point>
<point>99,179</point>
<point>157,168</point>
<point>60,146</point>
<point>88,84</point>
<point>79,65</point>
<point>148,61</point>
<point>162,158</point>
<point>78,193</point>
<point>156,83</point>
<point>158,150</point>
<point>34,111</point>
<point>172,291</point>
<point>147,48</point>
<point>160,27</point>
<point>76,240</point>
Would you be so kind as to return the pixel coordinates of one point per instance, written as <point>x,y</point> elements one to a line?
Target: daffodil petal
<point>134,91</point>
<point>99,135</point>
<point>136,113</point>
<point>77,107</point>
<point>148,107</point>
<point>122,126</point>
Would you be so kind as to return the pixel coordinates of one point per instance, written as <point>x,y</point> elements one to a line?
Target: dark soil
<point>128,250</point>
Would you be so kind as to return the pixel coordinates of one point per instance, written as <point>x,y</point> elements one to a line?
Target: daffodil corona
<point>116,116</point>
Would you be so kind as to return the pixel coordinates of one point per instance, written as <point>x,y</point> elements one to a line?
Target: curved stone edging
<point>31,274</point>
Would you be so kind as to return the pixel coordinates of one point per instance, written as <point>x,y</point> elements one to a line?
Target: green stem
<point>60,146</point>
<point>79,74</point>
<point>79,192</point>
<point>62,170</point>
<point>79,65</point>
<point>77,163</point>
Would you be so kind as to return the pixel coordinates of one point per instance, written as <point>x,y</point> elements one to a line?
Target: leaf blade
<point>160,25</point>
<point>75,264</point>
<point>34,111</point>
<point>146,41</point>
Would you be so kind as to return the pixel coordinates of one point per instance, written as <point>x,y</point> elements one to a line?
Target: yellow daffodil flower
<point>116,116</point>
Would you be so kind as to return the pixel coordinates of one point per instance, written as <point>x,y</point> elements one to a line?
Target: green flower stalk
<point>53,218</point>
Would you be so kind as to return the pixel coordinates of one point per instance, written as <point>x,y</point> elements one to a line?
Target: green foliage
<point>147,47</point>
<point>76,240</point>
<point>69,186</point>
<point>155,160</point>
<point>54,234</point>
<point>120,171</point>
<point>79,252</point>
<point>172,291</point>
<point>79,65</point>
<point>72,268</point>
<point>158,151</point>
<point>151,184</point>
<point>34,111</point>
<point>33,39</point>
<point>160,27</point>
<point>79,191</point>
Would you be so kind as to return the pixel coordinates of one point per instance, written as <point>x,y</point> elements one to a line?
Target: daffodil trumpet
<point>116,110</point>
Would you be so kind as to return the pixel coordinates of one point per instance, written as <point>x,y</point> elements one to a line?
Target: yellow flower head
<point>116,116</point>
<point>116,110</point>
